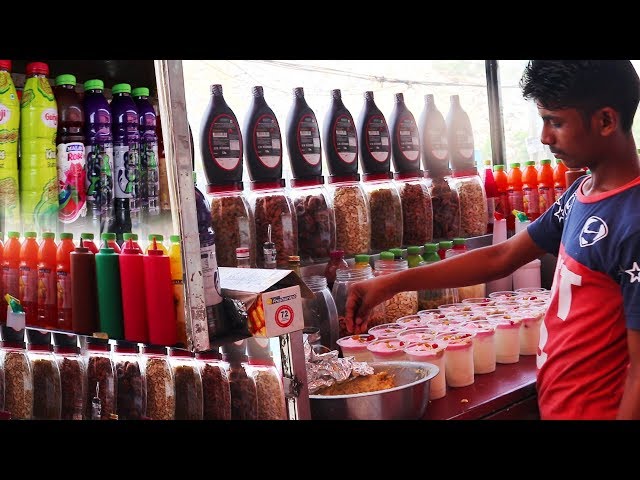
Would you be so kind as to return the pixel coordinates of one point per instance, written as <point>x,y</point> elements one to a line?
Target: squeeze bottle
<point>109,292</point>
<point>159,297</point>
<point>83,290</point>
<point>134,311</point>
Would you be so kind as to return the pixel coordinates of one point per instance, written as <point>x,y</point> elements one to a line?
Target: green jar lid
<point>66,79</point>
<point>362,258</point>
<point>130,236</point>
<point>387,256</point>
<point>94,84</point>
<point>66,236</point>
<point>121,88</point>
<point>530,162</point>
<point>413,250</point>
<point>30,234</point>
<point>545,161</point>
<point>514,165</point>
<point>174,238</point>
<point>159,238</point>
<point>13,234</point>
<point>445,244</point>
<point>459,241</point>
<point>498,168</point>
<point>48,235</point>
<point>108,236</point>
<point>86,236</point>
<point>430,247</point>
<point>140,92</point>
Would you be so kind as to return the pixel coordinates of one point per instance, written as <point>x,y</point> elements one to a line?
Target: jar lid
<point>225,187</point>
<point>209,355</point>
<point>97,343</point>
<point>61,339</point>
<point>345,177</point>
<point>38,337</point>
<point>408,175</point>
<point>9,334</point>
<point>180,352</point>
<point>306,182</point>
<point>154,349</point>
<point>372,177</point>
<point>467,172</point>
<point>413,250</point>
<point>125,346</point>
<point>267,184</point>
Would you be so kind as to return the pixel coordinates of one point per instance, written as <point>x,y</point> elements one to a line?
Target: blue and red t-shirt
<point>582,356</point>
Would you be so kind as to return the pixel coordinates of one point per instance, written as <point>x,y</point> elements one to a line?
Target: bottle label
<point>515,201</point>
<point>530,200</point>
<point>267,141</point>
<point>63,289</point>
<point>11,281</point>
<point>377,138</point>
<point>210,275</point>
<point>71,181</point>
<point>126,170</point>
<point>225,142</point>
<point>5,114</point>
<point>28,285</point>
<point>309,139</point>
<point>408,138</point>
<point>438,144</point>
<point>149,175</point>
<point>464,143</point>
<point>49,117</point>
<point>558,192</point>
<point>345,141</point>
<point>547,197</point>
<point>46,286</point>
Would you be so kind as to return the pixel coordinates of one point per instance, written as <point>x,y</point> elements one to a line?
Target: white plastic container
<point>356,346</point>
<point>484,346</point>
<point>527,276</point>
<point>507,337</point>
<point>458,358</point>
<point>431,352</point>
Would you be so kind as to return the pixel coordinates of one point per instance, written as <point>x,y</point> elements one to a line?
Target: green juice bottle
<point>9,125</point>
<point>38,172</point>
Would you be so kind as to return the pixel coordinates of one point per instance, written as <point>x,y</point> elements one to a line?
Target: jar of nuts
<point>385,209</point>
<point>233,223</point>
<point>161,402</point>
<point>188,383</point>
<point>47,396</point>
<point>316,223</point>
<point>402,303</point>
<point>417,208</point>
<point>351,211</point>
<point>216,393</point>
<point>18,377</point>
<point>271,205</point>
<point>446,208</point>
<point>473,202</point>
<point>73,376</point>
<point>269,386</point>
<point>101,379</point>
<point>131,400</point>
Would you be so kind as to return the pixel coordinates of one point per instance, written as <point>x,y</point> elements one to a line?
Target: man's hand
<point>363,297</point>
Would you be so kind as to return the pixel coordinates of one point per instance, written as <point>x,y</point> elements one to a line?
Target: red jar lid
<point>37,68</point>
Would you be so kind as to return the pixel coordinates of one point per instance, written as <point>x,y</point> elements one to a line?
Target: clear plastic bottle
<point>417,208</point>
<point>149,170</point>
<point>244,395</point>
<point>242,257</point>
<point>188,384</point>
<point>385,211</point>
<point>47,388</point>
<point>430,299</point>
<point>459,136</point>
<point>402,303</point>
<point>344,279</point>
<point>336,262</point>
<point>269,387</point>
<point>473,202</point>
<point>320,312</point>
<point>351,211</point>
<point>446,207</point>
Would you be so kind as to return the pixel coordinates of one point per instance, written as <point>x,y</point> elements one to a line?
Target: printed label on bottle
<point>309,139</point>
<point>344,139</point>
<point>63,290</point>
<point>150,176</point>
<point>267,141</point>
<point>210,275</point>
<point>438,144</point>
<point>547,197</point>
<point>46,287</point>
<point>126,170</point>
<point>225,144</point>
<point>377,138</point>
<point>71,181</point>
<point>530,200</point>
<point>408,138</point>
<point>516,201</point>
<point>28,285</point>
<point>49,117</point>
<point>5,113</point>
<point>11,281</point>
<point>559,191</point>
<point>464,143</point>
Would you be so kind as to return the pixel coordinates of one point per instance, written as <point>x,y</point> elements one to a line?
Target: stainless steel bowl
<point>406,401</point>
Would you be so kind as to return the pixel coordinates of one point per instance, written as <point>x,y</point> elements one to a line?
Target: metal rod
<point>496,123</point>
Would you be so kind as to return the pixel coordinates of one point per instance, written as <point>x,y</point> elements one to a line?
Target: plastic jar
<point>131,399</point>
<point>344,279</point>
<point>530,331</point>
<point>473,202</point>
<point>417,208</point>
<point>101,380</point>
<point>351,211</point>
<point>160,385</point>
<point>412,321</point>
<point>18,377</point>
<point>321,312</point>
<point>446,208</point>
<point>385,211</point>
<point>216,393</point>
<point>244,395</point>
<point>316,222</point>
<point>233,223</point>
<point>417,335</point>
<point>269,386</point>
<point>402,303</point>
<point>271,205</point>
<point>47,396</point>
<point>431,352</point>
<point>188,384</point>
<point>73,376</point>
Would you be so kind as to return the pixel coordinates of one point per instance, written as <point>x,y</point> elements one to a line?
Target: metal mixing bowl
<point>406,401</point>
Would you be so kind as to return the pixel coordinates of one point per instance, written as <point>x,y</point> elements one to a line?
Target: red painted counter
<point>509,393</point>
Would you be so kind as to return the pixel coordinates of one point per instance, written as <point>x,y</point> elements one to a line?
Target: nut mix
<point>473,207</point>
<point>353,227</point>
<point>18,383</point>
<point>233,224</point>
<point>130,390</point>
<point>400,305</point>
<point>46,389</point>
<point>188,392</point>
<point>161,403</point>
<point>216,393</point>
<point>446,209</point>
<point>244,403</point>
<point>100,372</point>
<point>316,228</point>
<point>271,401</point>
<point>277,211</point>
<point>386,218</point>
<point>73,391</point>
<point>417,213</point>
<point>430,299</point>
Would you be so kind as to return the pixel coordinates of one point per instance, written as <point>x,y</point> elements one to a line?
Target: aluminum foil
<point>325,369</point>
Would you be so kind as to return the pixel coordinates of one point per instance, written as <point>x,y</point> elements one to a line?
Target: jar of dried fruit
<point>402,303</point>
<point>385,210</point>
<point>351,211</point>
<point>446,207</point>
<point>101,379</point>
<point>417,208</point>
<point>160,386</point>
<point>131,400</point>
<point>269,387</point>
<point>47,396</point>
<point>473,202</point>
<point>272,206</point>
<point>316,222</point>
<point>188,384</point>
<point>233,223</point>
<point>18,377</point>
<point>216,393</point>
<point>244,395</point>
<point>73,376</point>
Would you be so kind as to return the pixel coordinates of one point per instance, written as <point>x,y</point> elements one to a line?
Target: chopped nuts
<point>417,213</point>
<point>232,223</point>
<point>277,211</point>
<point>473,206</point>
<point>353,227</point>
<point>446,209</point>
<point>386,218</point>
<point>316,228</point>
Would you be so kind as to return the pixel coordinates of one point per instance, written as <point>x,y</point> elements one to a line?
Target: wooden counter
<point>509,393</point>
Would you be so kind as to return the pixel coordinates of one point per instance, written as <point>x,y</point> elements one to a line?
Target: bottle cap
<point>514,165</point>
<point>30,234</point>
<point>387,256</point>
<point>430,247</point>
<point>545,161</point>
<point>94,84</point>
<point>459,241</point>
<point>121,88</point>
<point>498,168</point>
<point>130,236</point>
<point>528,163</point>
<point>445,244</point>
<point>174,238</point>
<point>66,79</point>
<point>397,252</point>
<point>362,258</point>
<point>487,162</point>
<point>336,254</point>
<point>39,68</point>
<point>13,234</point>
<point>48,235</point>
<point>140,92</point>
<point>108,236</point>
<point>5,65</point>
<point>413,250</point>
<point>66,236</point>
<point>216,89</point>
<point>159,238</point>
<point>86,236</point>
<point>298,92</point>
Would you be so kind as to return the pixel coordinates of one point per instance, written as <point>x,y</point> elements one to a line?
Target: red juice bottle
<point>47,301</point>
<point>10,271</point>
<point>545,185</point>
<point>63,280</point>
<point>109,241</point>
<point>559,179</point>
<point>491,189</point>
<point>29,278</point>
<point>158,286</point>
<point>134,311</point>
<point>87,242</point>
<point>530,196</point>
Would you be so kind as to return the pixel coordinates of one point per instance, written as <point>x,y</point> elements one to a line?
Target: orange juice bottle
<point>515,193</point>
<point>10,271</point>
<point>559,179</point>
<point>1,254</point>
<point>530,198</point>
<point>47,295</point>
<point>502,185</point>
<point>545,185</point>
<point>175,265</point>
<point>160,245</point>
<point>63,280</point>
<point>29,278</point>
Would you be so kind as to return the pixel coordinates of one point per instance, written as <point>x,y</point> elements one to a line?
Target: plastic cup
<point>386,330</point>
<point>458,358</point>
<point>502,294</point>
<point>431,352</point>
<point>530,332</point>
<point>484,346</point>
<point>418,335</point>
<point>412,321</point>
<point>384,350</point>
<point>356,346</point>
<point>507,337</point>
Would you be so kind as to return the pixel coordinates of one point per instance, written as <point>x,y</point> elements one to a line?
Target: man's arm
<point>630,403</point>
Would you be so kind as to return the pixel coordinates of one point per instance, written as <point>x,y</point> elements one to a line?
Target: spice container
<point>446,207</point>
<point>233,223</point>
<point>351,211</point>
<point>18,377</point>
<point>188,384</point>
<point>161,402</point>
<point>244,395</point>
<point>417,208</point>
<point>131,400</point>
<point>473,202</point>
<point>402,303</point>
<point>385,210</point>
<point>73,376</point>
<point>269,387</point>
<point>47,396</point>
<point>216,393</point>
<point>101,379</point>
<point>321,312</point>
<point>344,279</point>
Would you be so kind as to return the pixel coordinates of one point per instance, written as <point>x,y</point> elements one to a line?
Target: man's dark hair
<point>585,85</point>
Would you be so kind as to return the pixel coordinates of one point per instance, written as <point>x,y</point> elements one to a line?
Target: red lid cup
<point>386,330</point>
<point>416,335</point>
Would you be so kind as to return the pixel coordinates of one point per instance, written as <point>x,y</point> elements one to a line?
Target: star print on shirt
<point>634,273</point>
<point>561,213</point>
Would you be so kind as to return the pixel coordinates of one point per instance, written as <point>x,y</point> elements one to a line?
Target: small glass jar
<point>160,386</point>
<point>385,210</point>
<point>417,208</point>
<point>18,376</point>
<point>473,202</point>
<point>47,396</point>
<point>73,376</point>
<point>101,380</point>
<point>131,388</point>
<point>344,279</point>
<point>351,211</point>
<point>402,303</point>
<point>244,395</point>
<point>216,393</point>
<point>321,311</point>
<point>243,257</point>
<point>316,222</point>
<point>446,208</point>
<point>188,383</point>
<point>271,206</point>
<point>269,386</point>
<point>233,223</point>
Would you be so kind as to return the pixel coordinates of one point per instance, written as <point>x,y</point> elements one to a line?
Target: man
<point>589,352</point>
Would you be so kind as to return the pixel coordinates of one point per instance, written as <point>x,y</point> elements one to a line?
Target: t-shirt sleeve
<point>629,271</point>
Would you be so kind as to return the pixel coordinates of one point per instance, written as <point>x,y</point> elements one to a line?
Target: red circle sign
<point>284,316</point>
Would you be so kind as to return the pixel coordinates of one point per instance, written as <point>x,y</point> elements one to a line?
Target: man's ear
<point>606,120</point>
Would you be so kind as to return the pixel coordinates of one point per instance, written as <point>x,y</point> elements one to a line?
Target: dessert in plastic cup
<point>484,345</point>
<point>384,350</point>
<point>530,331</point>
<point>386,330</point>
<point>507,337</point>
<point>503,294</point>
<point>448,324</point>
<point>431,352</point>
<point>431,314</point>
<point>531,290</point>
<point>455,307</point>
<point>356,346</point>
<point>458,358</point>
<point>412,321</point>
<point>479,301</point>
<point>416,335</point>
<point>509,304</point>
<point>472,316</point>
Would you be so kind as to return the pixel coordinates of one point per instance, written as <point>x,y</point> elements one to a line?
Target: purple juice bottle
<point>149,173</point>
<point>99,151</point>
